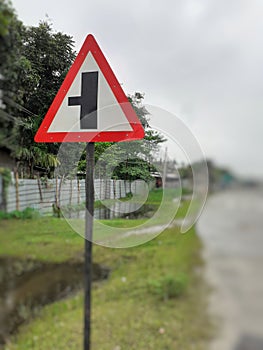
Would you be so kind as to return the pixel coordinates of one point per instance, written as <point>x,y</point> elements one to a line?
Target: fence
<point>41,195</point>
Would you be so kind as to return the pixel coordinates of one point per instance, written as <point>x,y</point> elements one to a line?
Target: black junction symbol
<point>87,100</point>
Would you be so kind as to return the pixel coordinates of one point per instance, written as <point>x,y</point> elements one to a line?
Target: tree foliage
<point>133,169</point>
<point>6,15</point>
<point>34,62</point>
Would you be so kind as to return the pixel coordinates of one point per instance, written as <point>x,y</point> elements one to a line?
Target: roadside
<point>231,229</point>
<point>154,298</point>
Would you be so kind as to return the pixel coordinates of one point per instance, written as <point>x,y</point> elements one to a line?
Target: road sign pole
<point>88,241</point>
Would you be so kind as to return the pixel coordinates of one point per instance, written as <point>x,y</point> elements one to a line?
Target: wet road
<point>231,228</point>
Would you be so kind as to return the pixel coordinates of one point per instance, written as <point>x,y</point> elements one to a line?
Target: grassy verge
<point>155,297</point>
<point>52,239</point>
<point>46,239</point>
<point>135,308</point>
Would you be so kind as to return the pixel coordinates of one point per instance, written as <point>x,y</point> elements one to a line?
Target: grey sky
<point>199,59</point>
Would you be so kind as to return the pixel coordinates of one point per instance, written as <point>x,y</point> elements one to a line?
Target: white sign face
<point>110,116</point>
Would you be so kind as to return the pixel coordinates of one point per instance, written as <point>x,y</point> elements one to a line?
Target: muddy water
<point>124,210</point>
<point>26,286</point>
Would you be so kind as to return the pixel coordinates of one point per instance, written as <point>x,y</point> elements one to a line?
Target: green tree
<point>6,15</point>
<point>36,62</point>
<point>134,169</point>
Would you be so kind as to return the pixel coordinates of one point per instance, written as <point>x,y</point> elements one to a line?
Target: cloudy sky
<point>199,59</point>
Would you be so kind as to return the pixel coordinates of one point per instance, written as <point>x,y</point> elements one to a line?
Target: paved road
<point>232,229</point>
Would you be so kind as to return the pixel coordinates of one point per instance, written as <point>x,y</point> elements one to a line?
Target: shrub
<point>28,213</point>
<point>169,286</point>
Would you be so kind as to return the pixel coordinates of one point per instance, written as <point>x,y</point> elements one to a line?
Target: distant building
<point>158,179</point>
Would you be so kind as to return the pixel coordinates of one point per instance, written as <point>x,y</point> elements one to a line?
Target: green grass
<point>125,312</point>
<point>46,239</point>
<point>155,297</point>
<point>52,239</point>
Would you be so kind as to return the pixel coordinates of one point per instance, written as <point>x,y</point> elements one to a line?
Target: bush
<point>128,197</point>
<point>28,213</point>
<point>169,286</point>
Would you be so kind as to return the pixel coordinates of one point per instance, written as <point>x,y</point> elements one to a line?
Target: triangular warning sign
<point>90,105</point>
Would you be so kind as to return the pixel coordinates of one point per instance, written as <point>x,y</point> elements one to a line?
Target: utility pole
<point>165,168</point>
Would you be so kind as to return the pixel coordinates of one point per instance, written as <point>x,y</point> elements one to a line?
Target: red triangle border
<point>90,45</point>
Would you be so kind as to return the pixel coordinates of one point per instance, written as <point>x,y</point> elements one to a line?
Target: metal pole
<point>88,241</point>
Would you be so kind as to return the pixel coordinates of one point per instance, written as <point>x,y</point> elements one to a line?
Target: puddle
<point>124,210</point>
<point>26,286</point>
